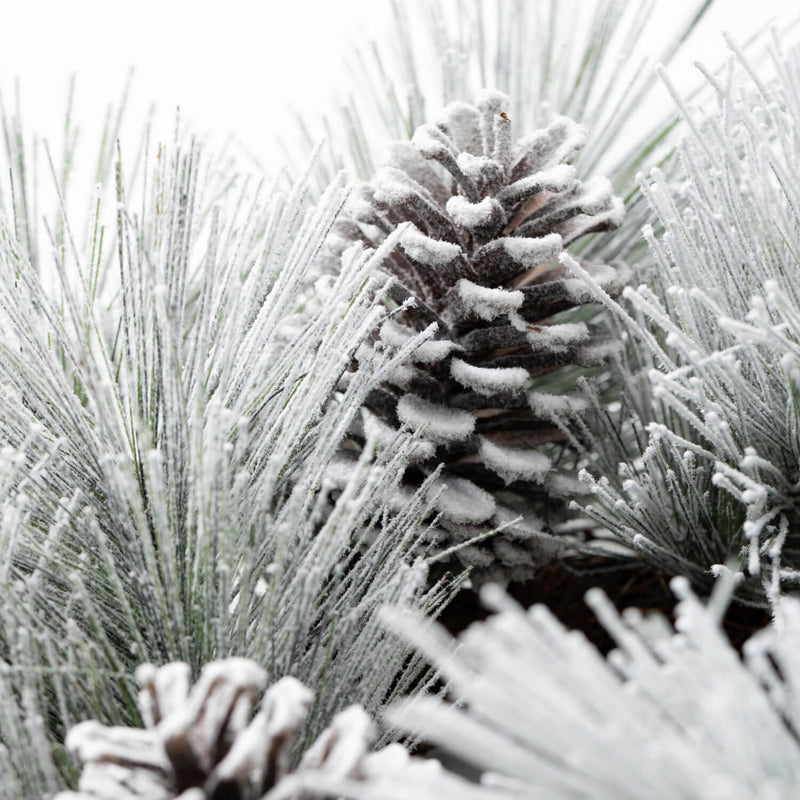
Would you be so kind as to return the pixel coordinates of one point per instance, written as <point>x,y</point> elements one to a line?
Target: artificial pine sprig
<point>710,464</point>
<point>168,411</point>
<point>541,715</point>
<point>175,389</point>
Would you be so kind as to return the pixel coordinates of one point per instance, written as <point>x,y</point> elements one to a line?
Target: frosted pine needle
<point>168,409</point>
<point>713,472</point>
<point>542,715</point>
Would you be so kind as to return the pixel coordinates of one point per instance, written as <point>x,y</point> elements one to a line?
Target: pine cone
<point>491,393</point>
<point>202,744</point>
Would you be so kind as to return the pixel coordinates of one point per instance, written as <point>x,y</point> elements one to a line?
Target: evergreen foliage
<point>708,437</point>
<point>168,406</point>
<point>542,715</point>
<point>200,469</point>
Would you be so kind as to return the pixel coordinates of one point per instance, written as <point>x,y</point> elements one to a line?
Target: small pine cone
<point>201,743</point>
<point>492,391</point>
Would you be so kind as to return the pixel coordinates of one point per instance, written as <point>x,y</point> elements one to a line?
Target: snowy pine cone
<point>201,744</point>
<point>485,220</point>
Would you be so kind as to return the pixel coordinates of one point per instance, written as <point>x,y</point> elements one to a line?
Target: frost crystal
<point>440,423</point>
<point>486,302</point>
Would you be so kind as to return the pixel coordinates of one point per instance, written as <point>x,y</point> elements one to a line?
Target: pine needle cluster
<point>167,412</point>
<point>709,455</point>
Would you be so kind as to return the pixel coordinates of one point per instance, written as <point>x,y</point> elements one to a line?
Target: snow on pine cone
<point>201,743</point>
<point>484,221</point>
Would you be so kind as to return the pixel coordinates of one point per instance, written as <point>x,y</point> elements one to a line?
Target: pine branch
<point>710,465</point>
<point>540,714</point>
<point>170,405</point>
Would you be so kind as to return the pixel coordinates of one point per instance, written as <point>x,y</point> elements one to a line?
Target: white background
<point>232,66</point>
